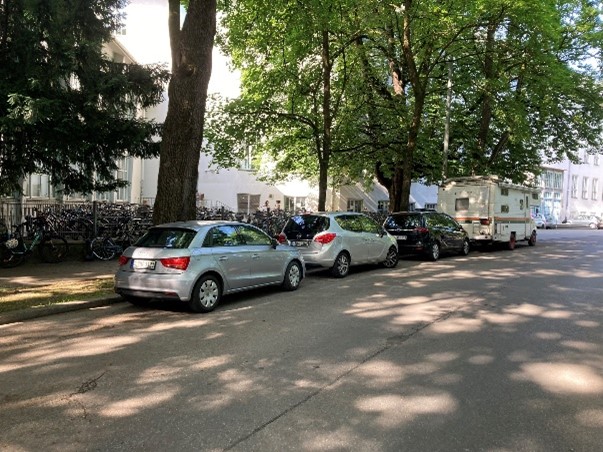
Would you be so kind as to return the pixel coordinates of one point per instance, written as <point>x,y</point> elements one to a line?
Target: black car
<point>427,232</point>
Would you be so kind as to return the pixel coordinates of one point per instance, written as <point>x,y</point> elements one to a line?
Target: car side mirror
<point>274,242</point>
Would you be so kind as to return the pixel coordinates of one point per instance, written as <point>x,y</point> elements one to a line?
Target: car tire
<point>341,266</point>
<point>512,242</point>
<point>466,247</point>
<point>532,239</point>
<point>293,276</point>
<point>206,294</point>
<point>391,260</point>
<point>434,251</point>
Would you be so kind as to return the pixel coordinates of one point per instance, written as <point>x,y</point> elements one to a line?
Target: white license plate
<point>299,243</point>
<point>401,237</point>
<point>143,264</point>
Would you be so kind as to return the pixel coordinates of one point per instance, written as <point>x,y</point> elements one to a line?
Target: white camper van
<point>490,210</point>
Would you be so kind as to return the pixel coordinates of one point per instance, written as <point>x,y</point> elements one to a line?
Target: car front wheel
<point>206,294</point>
<point>341,267</point>
<point>293,276</point>
<point>391,260</point>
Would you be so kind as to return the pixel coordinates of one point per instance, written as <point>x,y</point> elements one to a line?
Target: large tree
<point>192,45</point>
<point>295,85</point>
<point>66,109</point>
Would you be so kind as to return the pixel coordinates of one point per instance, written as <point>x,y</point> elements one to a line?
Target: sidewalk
<point>34,273</point>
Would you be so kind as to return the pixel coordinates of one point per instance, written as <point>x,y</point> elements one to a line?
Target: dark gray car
<point>429,233</point>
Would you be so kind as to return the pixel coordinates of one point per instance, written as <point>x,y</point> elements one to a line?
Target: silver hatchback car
<point>337,240</point>
<point>199,261</point>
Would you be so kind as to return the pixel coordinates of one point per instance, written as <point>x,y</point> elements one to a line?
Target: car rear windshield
<point>305,226</point>
<point>167,238</point>
<point>404,221</point>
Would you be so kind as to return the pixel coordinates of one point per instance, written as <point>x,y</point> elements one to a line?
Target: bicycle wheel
<point>10,258</point>
<point>103,248</point>
<point>53,248</point>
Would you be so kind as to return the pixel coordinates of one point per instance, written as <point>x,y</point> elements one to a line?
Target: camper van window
<point>521,204</point>
<point>504,208</point>
<point>535,196</point>
<point>461,204</point>
<point>504,191</point>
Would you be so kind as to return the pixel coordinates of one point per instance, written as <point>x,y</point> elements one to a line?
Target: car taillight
<point>179,263</point>
<point>123,260</point>
<point>325,238</point>
<point>484,221</point>
<point>282,238</point>
<point>422,230</point>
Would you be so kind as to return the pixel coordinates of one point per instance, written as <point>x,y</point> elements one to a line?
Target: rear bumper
<point>151,285</point>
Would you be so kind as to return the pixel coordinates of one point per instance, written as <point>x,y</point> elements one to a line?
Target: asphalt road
<point>496,351</point>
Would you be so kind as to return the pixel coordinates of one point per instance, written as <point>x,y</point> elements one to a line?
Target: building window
<point>248,203</point>
<point>595,188</point>
<point>382,206</point>
<point>574,186</point>
<point>586,157</point>
<point>558,181</point>
<point>354,205</point>
<point>38,186</point>
<point>295,203</point>
<point>122,174</point>
<point>596,159</point>
<point>246,162</point>
<point>585,188</point>
<point>429,206</point>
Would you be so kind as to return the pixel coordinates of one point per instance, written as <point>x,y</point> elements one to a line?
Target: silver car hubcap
<point>391,259</point>
<point>209,293</point>
<point>343,265</point>
<point>294,276</point>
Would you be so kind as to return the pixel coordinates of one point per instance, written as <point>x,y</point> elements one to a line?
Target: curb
<point>59,308</point>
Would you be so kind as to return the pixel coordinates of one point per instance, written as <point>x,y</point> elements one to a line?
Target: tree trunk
<point>183,128</point>
<point>325,152</point>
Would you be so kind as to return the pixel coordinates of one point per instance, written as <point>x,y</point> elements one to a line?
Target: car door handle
<point>223,258</point>
<point>255,256</point>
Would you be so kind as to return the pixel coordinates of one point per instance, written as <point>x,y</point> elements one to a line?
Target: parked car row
<point>589,221</point>
<point>198,262</point>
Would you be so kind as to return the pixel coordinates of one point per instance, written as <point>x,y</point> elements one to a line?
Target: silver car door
<point>375,245</point>
<point>232,258</point>
<point>265,262</point>
<point>353,238</point>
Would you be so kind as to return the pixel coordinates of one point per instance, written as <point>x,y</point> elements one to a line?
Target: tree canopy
<point>360,87</point>
<point>67,109</point>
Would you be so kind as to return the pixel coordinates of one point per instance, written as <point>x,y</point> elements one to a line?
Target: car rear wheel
<point>391,259</point>
<point>532,239</point>
<point>512,242</point>
<point>465,248</point>
<point>206,294</point>
<point>341,267</point>
<point>293,276</point>
<point>434,251</point>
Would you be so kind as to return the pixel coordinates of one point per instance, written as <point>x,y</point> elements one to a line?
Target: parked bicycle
<point>114,238</point>
<point>17,246</point>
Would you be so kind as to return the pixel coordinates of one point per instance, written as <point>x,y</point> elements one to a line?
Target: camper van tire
<point>512,241</point>
<point>434,251</point>
<point>532,239</point>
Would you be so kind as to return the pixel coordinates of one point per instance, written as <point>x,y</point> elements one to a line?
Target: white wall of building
<point>582,191</point>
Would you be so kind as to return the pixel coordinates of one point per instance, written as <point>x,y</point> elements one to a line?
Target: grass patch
<point>15,297</point>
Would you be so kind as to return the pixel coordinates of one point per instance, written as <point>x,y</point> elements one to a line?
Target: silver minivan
<point>337,240</point>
